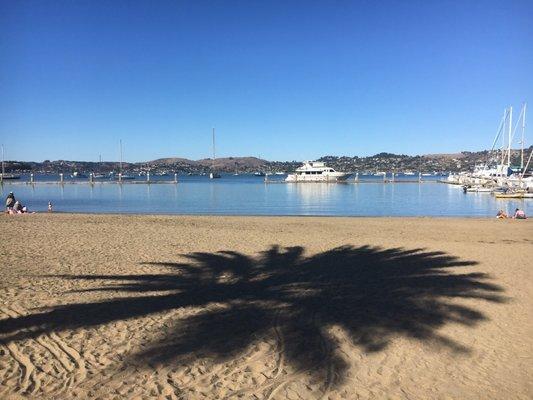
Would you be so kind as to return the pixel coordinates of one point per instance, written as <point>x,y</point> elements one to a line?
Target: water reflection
<point>251,196</point>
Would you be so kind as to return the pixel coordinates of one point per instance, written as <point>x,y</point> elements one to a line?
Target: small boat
<point>9,176</point>
<point>479,189</point>
<point>279,173</point>
<point>315,171</point>
<point>259,173</point>
<point>98,176</point>
<point>517,195</point>
<point>214,175</point>
<point>78,175</point>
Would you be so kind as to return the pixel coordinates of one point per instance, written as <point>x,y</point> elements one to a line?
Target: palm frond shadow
<point>373,294</point>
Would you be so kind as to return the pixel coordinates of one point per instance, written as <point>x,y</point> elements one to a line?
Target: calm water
<point>249,195</point>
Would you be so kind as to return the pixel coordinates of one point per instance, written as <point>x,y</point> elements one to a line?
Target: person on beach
<point>17,207</point>
<point>10,201</point>
<point>519,214</point>
<point>501,215</point>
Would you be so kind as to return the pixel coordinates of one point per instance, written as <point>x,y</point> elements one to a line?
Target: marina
<point>498,175</point>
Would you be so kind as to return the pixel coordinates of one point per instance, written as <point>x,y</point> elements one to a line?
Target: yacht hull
<point>331,177</point>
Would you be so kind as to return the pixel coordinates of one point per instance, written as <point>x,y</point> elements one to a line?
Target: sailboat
<point>213,174</point>
<point>123,176</point>
<point>98,175</point>
<point>4,175</point>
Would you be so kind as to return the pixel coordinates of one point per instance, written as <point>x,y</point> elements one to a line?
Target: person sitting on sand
<point>10,201</point>
<point>519,214</point>
<point>501,215</point>
<point>17,207</point>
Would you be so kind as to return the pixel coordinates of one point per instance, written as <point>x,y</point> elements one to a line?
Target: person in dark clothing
<point>10,201</point>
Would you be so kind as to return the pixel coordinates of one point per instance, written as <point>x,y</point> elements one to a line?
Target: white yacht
<point>315,171</point>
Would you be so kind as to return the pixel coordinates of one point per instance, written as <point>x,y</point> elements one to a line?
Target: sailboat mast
<point>505,113</point>
<point>120,164</point>
<point>509,138</point>
<point>522,141</point>
<point>214,154</point>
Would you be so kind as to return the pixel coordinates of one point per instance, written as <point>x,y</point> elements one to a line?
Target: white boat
<point>479,189</point>
<point>315,171</point>
<point>9,176</point>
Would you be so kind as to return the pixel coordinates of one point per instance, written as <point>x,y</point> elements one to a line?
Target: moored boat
<point>516,195</point>
<point>9,176</point>
<point>479,189</point>
<point>315,171</point>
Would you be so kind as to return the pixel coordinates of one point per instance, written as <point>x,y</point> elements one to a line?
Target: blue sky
<point>283,80</point>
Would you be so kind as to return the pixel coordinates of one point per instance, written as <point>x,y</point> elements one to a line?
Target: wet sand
<point>184,307</point>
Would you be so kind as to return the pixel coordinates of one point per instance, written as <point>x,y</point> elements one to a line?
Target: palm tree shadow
<point>372,294</point>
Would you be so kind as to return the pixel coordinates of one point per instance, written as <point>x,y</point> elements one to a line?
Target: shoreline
<point>133,214</point>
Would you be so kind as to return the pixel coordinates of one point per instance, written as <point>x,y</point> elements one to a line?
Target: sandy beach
<point>183,307</point>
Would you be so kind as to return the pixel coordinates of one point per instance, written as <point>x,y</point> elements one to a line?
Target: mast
<point>509,139</point>
<point>214,147</point>
<point>120,164</point>
<point>522,141</point>
<point>3,170</point>
<point>500,169</point>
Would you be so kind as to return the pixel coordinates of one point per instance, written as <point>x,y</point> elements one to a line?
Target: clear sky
<point>284,80</point>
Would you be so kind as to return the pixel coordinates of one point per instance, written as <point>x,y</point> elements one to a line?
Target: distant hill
<point>449,162</point>
<point>231,163</point>
<point>171,161</point>
<point>446,155</point>
<point>224,164</point>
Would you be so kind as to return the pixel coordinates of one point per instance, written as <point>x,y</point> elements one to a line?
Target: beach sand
<point>183,307</point>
